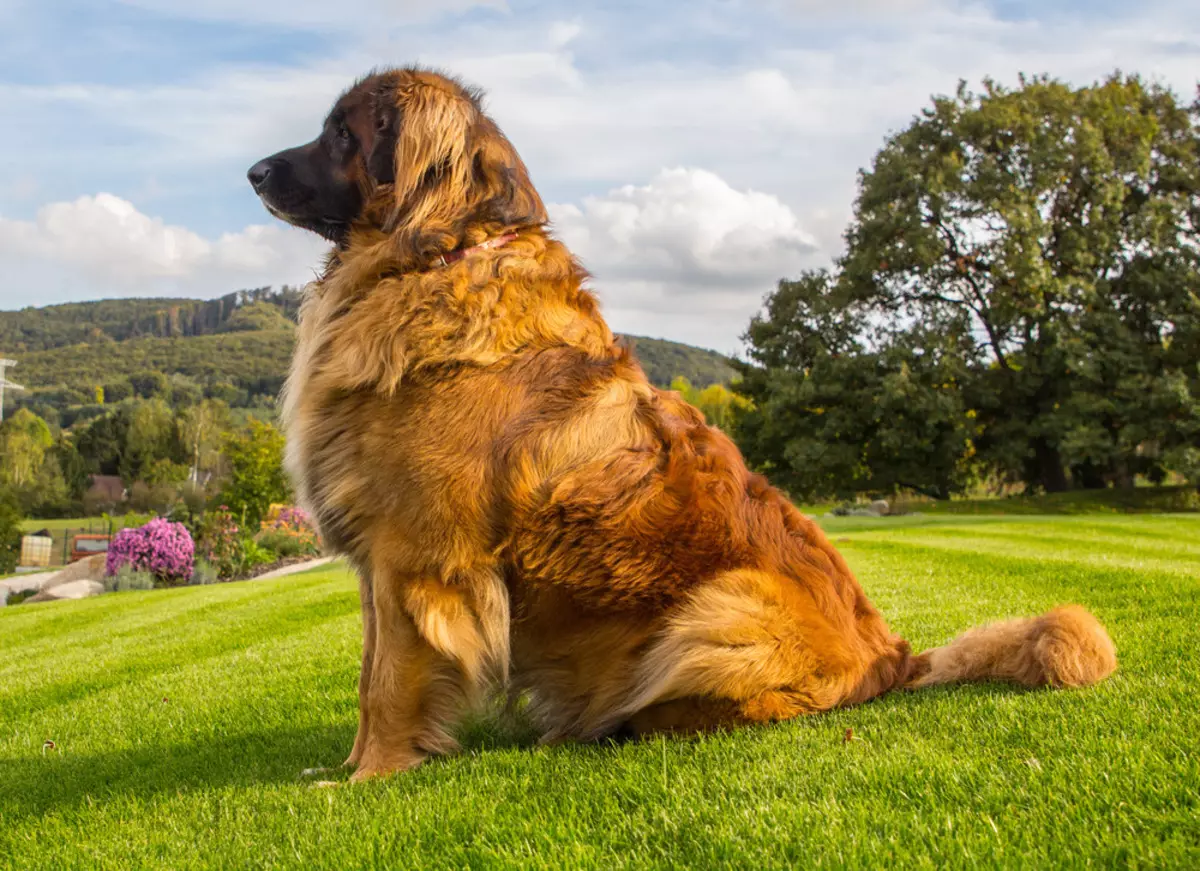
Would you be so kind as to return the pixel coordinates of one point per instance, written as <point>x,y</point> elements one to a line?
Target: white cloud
<point>102,245</point>
<point>686,241</point>
<point>804,100</point>
<point>346,14</point>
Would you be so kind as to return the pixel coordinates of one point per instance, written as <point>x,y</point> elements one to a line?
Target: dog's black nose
<point>259,173</point>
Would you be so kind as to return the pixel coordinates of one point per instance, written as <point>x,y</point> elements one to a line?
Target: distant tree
<point>117,390</point>
<point>149,383</point>
<point>24,441</point>
<point>720,405</point>
<point>663,360</point>
<point>150,436</point>
<point>32,463</point>
<point>183,390</point>
<point>257,316</point>
<point>200,428</point>
<point>256,476</point>
<point>101,442</point>
<point>72,465</point>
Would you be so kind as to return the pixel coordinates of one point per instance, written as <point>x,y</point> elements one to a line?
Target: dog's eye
<point>343,133</point>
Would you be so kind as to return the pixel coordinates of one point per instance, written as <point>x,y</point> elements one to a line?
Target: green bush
<point>203,574</point>
<point>283,543</point>
<point>127,579</point>
<point>10,533</point>
<point>254,555</point>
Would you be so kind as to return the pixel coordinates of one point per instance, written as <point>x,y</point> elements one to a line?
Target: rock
<point>70,590</point>
<point>881,507</point>
<point>26,583</point>
<point>87,569</point>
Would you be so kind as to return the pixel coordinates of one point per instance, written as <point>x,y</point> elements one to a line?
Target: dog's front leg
<point>366,596</point>
<point>435,644</point>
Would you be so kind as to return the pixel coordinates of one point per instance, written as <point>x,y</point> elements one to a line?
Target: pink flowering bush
<point>162,548</point>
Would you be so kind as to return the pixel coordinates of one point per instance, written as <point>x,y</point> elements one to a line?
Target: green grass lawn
<point>58,524</point>
<point>181,720</point>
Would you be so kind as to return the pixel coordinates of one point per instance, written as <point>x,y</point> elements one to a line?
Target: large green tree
<point>1048,239</point>
<point>256,476</point>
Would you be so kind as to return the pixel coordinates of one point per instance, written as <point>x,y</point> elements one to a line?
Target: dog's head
<point>407,152</point>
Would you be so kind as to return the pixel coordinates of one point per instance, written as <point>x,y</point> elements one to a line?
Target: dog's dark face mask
<point>323,186</point>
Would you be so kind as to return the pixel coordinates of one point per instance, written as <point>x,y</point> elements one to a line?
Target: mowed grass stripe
<point>929,594</point>
<point>172,723</point>
<point>1099,546</point>
<point>968,776</point>
<point>150,640</point>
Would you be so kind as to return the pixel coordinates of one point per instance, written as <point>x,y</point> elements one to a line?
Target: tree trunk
<point>1088,476</point>
<point>1052,476</point>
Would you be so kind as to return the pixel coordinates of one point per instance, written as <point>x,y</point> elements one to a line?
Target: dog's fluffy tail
<point>1066,647</point>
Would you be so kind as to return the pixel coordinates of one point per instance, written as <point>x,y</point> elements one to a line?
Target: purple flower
<point>162,548</point>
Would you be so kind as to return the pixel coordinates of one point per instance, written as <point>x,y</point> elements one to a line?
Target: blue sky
<point>693,153</point>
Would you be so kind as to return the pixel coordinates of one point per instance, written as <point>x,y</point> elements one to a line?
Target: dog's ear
<point>453,167</point>
<point>504,193</point>
<point>385,122</point>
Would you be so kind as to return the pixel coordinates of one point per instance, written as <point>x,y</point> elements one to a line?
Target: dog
<point>528,514</point>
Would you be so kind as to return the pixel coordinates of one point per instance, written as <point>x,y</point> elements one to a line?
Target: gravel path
<point>294,568</point>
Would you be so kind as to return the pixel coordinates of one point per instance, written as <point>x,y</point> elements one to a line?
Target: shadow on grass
<point>58,780</point>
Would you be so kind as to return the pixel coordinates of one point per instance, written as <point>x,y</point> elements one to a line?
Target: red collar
<point>454,256</point>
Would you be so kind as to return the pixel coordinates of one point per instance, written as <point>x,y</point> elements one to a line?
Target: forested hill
<point>76,357</point>
<point>57,326</point>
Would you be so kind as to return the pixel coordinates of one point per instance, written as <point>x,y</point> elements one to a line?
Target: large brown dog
<point>524,509</point>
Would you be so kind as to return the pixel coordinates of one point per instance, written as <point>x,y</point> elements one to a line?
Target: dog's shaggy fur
<point>523,508</point>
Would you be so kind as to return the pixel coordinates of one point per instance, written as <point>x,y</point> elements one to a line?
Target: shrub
<point>127,578</point>
<point>220,542</point>
<point>10,534</point>
<point>156,499</point>
<point>161,548</point>
<point>255,555</point>
<point>204,573</point>
<point>285,544</point>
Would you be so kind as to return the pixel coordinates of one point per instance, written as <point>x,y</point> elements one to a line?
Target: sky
<point>691,153</point>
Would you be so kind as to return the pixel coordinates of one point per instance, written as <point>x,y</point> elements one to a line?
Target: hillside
<point>57,326</point>
<point>73,357</point>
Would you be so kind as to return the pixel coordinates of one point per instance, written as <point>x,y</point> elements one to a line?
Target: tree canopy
<point>1018,297</point>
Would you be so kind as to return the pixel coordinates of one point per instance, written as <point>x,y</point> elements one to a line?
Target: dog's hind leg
<point>753,647</point>
<point>437,644</point>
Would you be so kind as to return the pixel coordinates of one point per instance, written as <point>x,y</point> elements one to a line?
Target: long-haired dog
<point>523,508</point>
